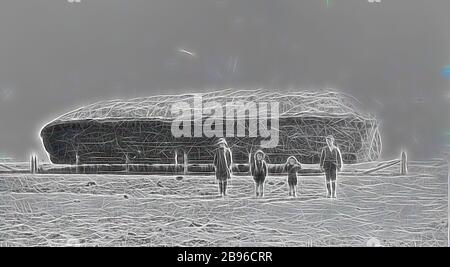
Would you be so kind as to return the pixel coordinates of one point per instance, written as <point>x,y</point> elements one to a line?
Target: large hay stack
<point>139,130</point>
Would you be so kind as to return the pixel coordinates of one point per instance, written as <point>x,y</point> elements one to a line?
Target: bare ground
<point>112,210</point>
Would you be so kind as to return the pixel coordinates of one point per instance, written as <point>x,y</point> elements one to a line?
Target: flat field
<point>155,210</point>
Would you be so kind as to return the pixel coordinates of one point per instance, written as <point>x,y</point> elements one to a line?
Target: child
<point>223,161</point>
<point>292,167</point>
<point>259,172</point>
<point>330,163</point>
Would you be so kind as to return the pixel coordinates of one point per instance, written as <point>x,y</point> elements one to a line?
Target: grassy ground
<point>111,210</point>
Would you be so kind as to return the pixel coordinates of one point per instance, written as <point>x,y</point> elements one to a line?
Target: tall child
<point>330,163</point>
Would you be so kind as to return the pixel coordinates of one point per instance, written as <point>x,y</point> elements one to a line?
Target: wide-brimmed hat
<point>294,158</point>
<point>260,152</point>
<point>222,141</point>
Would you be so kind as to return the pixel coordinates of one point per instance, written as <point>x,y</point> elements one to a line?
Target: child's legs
<point>328,179</point>
<point>292,185</point>
<point>261,188</point>
<point>220,187</point>
<point>333,179</point>
<point>333,188</point>
<point>225,187</point>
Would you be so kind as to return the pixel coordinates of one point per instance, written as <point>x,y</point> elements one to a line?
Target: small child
<point>259,172</point>
<point>292,167</point>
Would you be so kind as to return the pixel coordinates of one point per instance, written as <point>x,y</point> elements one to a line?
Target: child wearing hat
<point>222,165</point>
<point>292,166</point>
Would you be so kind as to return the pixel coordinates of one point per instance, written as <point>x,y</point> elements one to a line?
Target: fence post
<point>77,163</point>
<point>32,164</point>
<point>176,161</point>
<point>127,163</point>
<point>403,164</point>
<point>185,157</point>
<point>250,163</point>
<point>36,164</point>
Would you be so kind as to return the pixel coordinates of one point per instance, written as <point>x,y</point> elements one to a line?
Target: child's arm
<point>322,159</point>
<point>230,160</point>
<point>339,159</point>
<point>250,165</point>
<point>253,168</point>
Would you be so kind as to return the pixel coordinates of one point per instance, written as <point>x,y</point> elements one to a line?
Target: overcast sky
<point>56,56</point>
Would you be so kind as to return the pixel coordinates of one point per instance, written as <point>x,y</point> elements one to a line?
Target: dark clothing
<point>330,171</point>
<point>259,171</point>
<point>223,186</point>
<point>222,163</point>
<point>259,179</point>
<point>332,156</point>
<point>292,181</point>
<point>292,173</point>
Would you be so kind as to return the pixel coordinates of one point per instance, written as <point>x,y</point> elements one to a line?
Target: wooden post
<point>250,163</point>
<point>176,161</point>
<point>403,164</point>
<point>77,163</point>
<point>127,163</point>
<point>32,164</point>
<point>36,164</point>
<point>185,157</point>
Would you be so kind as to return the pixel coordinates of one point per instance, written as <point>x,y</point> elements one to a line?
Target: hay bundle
<point>139,130</point>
